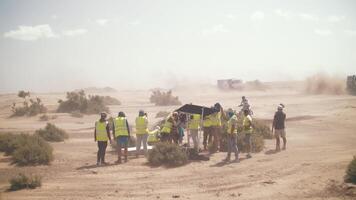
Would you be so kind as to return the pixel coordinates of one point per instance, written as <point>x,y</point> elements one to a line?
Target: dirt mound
<point>323,83</point>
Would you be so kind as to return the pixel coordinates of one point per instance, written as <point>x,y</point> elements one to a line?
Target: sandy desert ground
<point>321,133</point>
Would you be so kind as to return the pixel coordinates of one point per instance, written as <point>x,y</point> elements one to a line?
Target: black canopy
<point>195,109</point>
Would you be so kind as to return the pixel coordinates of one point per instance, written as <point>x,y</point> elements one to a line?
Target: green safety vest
<point>216,119</point>
<point>120,127</point>
<point>141,125</point>
<point>207,121</point>
<point>247,124</point>
<point>100,131</point>
<point>194,123</point>
<point>232,121</point>
<point>167,127</point>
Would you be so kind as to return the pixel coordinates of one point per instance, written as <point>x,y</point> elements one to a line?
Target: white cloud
<point>230,16</point>
<point>309,17</point>
<point>322,32</point>
<point>220,28</point>
<point>335,19</point>
<point>350,32</point>
<point>74,32</point>
<point>283,14</point>
<point>31,33</point>
<point>257,16</point>
<point>102,22</point>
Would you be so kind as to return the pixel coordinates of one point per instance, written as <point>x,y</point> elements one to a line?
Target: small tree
<point>164,98</point>
<point>52,133</point>
<point>23,94</point>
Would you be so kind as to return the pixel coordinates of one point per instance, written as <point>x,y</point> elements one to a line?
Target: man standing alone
<point>101,135</point>
<point>279,127</point>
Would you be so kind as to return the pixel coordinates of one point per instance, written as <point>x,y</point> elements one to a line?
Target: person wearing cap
<point>169,128</point>
<point>247,130</point>
<point>232,135</point>
<point>101,136</point>
<point>121,132</point>
<point>141,132</point>
<point>278,126</point>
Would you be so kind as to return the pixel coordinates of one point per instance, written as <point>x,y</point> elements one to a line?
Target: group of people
<point>174,126</point>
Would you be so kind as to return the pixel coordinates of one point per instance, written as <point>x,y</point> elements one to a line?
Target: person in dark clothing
<point>102,135</point>
<point>279,127</point>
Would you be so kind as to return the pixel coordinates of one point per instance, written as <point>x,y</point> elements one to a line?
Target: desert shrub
<point>108,100</point>
<point>350,176</point>
<point>167,154</point>
<point>162,114</point>
<point>261,128</point>
<point>9,142</point>
<point>44,117</point>
<point>32,150</point>
<point>22,181</point>
<point>29,108</point>
<point>23,94</point>
<point>79,102</point>
<point>76,114</point>
<point>164,98</point>
<point>52,133</point>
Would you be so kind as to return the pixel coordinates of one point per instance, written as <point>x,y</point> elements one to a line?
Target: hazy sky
<point>64,45</point>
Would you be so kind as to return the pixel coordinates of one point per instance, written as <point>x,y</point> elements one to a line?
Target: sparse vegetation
<point>80,102</point>
<point>21,181</point>
<point>350,176</point>
<point>26,149</point>
<point>164,98</point>
<point>161,114</point>
<point>108,100</point>
<point>29,107</point>
<point>76,114</point>
<point>44,117</point>
<point>52,133</point>
<point>167,154</point>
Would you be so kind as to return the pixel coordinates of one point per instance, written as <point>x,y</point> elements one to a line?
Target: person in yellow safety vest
<point>247,129</point>
<point>193,127</point>
<point>101,136</point>
<point>206,131</point>
<point>141,132</point>
<point>216,125</point>
<point>121,132</point>
<point>169,127</point>
<point>232,136</point>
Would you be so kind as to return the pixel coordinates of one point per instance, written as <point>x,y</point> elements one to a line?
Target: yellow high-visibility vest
<point>100,131</point>
<point>141,125</point>
<point>207,121</point>
<point>167,127</point>
<point>216,119</point>
<point>195,122</point>
<point>232,121</point>
<point>247,124</point>
<point>120,127</point>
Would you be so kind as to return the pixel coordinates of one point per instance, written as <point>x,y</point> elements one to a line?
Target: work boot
<point>98,164</point>
<point>248,156</point>
<point>237,160</point>
<point>227,159</point>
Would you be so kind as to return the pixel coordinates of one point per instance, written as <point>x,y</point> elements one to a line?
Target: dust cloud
<point>323,83</point>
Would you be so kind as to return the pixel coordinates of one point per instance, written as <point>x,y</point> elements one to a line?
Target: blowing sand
<point>321,141</point>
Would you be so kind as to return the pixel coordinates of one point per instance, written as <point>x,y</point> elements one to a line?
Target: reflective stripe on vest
<point>167,127</point>
<point>216,119</point>
<point>246,123</point>
<point>232,121</point>
<point>120,127</point>
<point>100,131</point>
<point>194,123</point>
<point>141,125</point>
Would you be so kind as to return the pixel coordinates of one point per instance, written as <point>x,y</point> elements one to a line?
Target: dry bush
<point>26,149</point>
<point>22,181</point>
<point>44,117</point>
<point>350,176</point>
<point>161,114</point>
<point>52,133</point>
<point>324,84</point>
<point>80,102</point>
<point>164,98</point>
<point>167,154</point>
<point>23,94</point>
<point>29,108</point>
